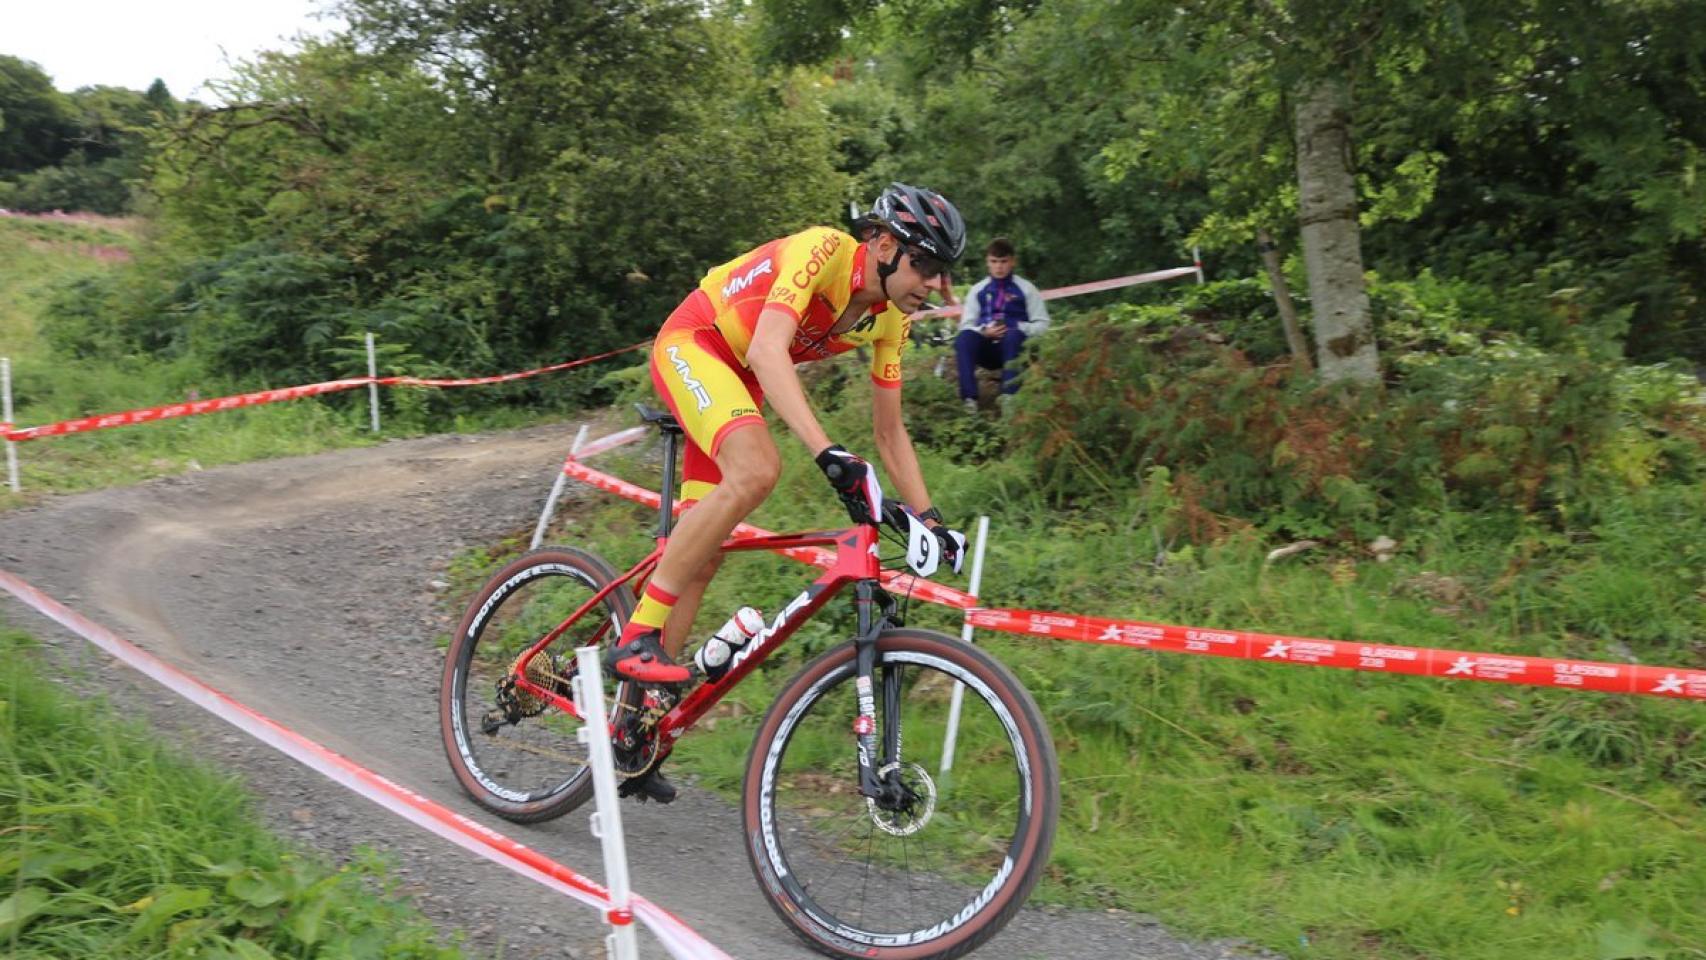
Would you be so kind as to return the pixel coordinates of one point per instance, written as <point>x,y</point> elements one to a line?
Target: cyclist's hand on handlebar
<point>855,481</point>
<point>953,541</point>
<point>929,543</point>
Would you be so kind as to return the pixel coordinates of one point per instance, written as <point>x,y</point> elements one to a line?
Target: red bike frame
<point>855,561</point>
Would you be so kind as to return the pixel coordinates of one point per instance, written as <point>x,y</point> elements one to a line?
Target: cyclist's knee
<point>754,482</point>
<point>750,465</point>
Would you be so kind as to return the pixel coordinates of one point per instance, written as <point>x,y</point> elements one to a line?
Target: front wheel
<point>941,871</point>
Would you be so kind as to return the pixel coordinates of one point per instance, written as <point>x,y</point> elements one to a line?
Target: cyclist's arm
<point>894,445</point>
<point>768,357</point>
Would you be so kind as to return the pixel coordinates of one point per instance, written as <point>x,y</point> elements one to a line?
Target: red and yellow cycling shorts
<point>708,390</point>
<point>699,357</point>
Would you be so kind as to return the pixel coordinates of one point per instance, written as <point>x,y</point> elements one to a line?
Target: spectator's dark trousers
<point>973,350</point>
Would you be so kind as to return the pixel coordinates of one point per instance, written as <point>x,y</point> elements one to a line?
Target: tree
<point>1158,54</point>
<point>497,184</point>
<point>36,124</point>
<point>160,99</point>
<point>1332,239</point>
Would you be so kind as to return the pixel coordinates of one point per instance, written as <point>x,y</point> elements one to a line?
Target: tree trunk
<point>1332,244</point>
<point>1282,300</point>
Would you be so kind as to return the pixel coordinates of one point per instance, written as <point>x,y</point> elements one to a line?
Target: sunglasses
<point>927,266</point>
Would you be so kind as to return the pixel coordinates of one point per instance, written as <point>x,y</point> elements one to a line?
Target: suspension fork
<point>874,607</point>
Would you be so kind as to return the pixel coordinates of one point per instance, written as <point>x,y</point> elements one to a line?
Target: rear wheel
<point>940,870</point>
<point>514,753</point>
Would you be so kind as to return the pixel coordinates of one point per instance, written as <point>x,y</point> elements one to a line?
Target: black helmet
<point>919,218</point>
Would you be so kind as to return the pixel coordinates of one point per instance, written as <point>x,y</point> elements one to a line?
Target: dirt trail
<point>302,587</point>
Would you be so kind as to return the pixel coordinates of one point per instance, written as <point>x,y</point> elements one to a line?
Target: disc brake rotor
<point>911,819</point>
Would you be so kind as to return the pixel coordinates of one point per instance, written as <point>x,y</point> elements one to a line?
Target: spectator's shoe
<point>650,785</point>
<point>971,405</point>
<point>642,658</point>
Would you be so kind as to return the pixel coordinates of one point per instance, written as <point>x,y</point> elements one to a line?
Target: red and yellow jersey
<point>811,274</point>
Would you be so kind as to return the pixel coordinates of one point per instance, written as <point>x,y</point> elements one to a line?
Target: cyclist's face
<point>918,274</point>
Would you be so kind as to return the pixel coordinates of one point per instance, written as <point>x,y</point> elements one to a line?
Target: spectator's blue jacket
<point>1013,300</point>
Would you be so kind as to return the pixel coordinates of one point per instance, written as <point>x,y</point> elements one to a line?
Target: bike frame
<point>856,564</point>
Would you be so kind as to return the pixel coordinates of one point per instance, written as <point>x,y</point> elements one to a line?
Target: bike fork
<point>867,595</point>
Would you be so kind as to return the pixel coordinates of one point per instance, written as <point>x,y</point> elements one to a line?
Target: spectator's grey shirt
<point>1035,308</point>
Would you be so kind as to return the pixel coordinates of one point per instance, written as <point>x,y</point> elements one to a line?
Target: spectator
<point>999,314</point>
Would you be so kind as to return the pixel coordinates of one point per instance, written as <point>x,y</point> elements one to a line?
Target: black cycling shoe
<point>650,785</point>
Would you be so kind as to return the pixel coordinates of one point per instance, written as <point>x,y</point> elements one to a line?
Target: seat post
<point>666,492</point>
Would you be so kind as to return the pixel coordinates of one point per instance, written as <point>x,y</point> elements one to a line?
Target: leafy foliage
<point>1470,421</point>
<point>79,151</point>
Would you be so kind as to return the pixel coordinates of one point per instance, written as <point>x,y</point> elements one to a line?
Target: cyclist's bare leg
<point>750,465</point>
<point>680,623</point>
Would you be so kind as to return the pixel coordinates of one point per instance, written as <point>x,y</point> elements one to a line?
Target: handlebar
<point>895,514</point>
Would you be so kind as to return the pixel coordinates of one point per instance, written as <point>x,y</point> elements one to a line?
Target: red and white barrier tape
<point>1094,286</point>
<point>505,377</point>
<point>106,420</point>
<point>169,411</point>
<point>678,938</point>
<point>1676,682</point>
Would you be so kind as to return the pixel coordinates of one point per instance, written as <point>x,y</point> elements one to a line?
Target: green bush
<point>101,186</point>
<point>1468,422</point>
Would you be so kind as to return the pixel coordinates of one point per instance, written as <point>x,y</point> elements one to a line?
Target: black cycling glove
<point>852,479</point>
<point>953,542</point>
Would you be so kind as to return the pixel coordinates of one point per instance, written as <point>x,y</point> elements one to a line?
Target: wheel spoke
<point>921,868</point>
<point>513,751</point>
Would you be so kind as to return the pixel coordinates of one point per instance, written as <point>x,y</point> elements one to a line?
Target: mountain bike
<point>860,845</point>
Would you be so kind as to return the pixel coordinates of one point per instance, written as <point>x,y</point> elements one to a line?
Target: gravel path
<point>302,587</point>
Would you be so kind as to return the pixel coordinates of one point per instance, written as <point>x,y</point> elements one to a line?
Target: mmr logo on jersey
<point>737,284</point>
<point>687,380</point>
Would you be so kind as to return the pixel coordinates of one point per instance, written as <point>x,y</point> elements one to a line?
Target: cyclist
<point>733,342</point>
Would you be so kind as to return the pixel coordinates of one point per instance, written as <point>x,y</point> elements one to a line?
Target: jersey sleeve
<point>805,264</point>
<point>886,350</point>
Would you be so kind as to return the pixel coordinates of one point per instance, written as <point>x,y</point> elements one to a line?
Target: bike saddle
<point>663,418</point>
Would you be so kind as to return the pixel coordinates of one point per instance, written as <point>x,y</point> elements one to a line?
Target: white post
<point>1196,260</point>
<point>373,387</point>
<point>556,491</point>
<point>965,637</point>
<point>607,821</point>
<point>6,418</point>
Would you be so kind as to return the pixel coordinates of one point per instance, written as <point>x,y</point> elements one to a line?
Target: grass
<point>118,847</point>
<point>36,257</point>
<point>114,846</point>
<point>1319,813</point>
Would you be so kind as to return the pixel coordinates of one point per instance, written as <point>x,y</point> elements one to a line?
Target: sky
<point>129,43</point>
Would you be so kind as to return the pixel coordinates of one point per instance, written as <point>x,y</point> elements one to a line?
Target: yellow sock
<point>653,611</point>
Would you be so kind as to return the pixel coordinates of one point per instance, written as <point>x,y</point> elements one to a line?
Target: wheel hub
<point>915,805</point>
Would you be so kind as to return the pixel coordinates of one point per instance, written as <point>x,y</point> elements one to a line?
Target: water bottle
<point>713,658</point>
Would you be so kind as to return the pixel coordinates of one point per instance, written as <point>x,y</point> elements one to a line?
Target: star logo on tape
<point>1463,667</point>
<point>1279,649</point>
<point>1670,684</point>
<point>1113,632</point>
